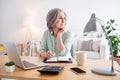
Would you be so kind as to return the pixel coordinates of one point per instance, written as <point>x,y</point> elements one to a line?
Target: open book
<point>59,59</point>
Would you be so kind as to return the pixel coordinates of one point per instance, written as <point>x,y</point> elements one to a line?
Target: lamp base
<point>104,72</point>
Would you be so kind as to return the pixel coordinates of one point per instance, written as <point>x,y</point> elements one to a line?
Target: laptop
<point>14,55</point>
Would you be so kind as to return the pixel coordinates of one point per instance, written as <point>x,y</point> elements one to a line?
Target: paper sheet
<point>59,59</point>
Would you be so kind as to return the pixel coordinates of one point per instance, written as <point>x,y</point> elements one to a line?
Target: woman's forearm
<point>60,45</point>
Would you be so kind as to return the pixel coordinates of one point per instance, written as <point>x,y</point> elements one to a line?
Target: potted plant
<point>9,66</point>
<point>113,36</point>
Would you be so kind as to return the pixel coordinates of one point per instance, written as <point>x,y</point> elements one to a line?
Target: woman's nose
<point>63,20</point>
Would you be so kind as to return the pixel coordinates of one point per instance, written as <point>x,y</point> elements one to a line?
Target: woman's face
<point>61,21</point>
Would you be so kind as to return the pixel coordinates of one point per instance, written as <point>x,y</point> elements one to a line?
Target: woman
<point>56,40</point>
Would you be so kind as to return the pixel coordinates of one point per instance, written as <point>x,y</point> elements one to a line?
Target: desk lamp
<point>92,22</point>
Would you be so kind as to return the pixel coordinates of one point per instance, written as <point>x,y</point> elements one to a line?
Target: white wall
<point>12,13</point>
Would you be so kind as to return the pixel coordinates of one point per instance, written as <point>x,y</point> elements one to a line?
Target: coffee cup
<point>81,58</point>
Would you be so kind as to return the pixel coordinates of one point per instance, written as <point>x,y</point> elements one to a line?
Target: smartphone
<point>77,70</point>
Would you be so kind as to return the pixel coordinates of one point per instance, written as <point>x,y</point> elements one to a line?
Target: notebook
<point>14,55</point>
<point>58,60</point>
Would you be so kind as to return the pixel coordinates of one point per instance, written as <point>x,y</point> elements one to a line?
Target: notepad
<point>59,59</point>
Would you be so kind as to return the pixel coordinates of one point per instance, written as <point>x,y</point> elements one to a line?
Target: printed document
<point>55,59</point>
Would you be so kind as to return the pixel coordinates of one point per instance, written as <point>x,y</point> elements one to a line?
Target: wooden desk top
<point>66,74</point>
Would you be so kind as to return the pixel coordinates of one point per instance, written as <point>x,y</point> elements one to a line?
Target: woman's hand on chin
<point>61,31</point>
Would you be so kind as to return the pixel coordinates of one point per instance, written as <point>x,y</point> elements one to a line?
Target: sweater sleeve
<point>68,41</point>
<point>43,46</point>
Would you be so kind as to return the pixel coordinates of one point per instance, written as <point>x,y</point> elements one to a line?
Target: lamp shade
<point>28,21</point>
<point>91,25</point>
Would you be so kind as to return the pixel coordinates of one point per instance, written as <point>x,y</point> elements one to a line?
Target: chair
<point>103,52</point>
<point>72,51</point>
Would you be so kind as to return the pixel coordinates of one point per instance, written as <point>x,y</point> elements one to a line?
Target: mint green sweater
<point>49,43</point>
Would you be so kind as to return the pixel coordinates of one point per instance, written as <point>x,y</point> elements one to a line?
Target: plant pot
<point>117,59</point>
<point>10,68</point>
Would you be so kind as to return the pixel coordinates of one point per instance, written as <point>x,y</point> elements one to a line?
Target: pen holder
<point>10,68</point>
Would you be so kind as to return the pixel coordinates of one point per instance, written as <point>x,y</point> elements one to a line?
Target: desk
<point>66,74</point>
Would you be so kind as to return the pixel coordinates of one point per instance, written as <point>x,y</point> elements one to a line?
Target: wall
<point>12,13</point>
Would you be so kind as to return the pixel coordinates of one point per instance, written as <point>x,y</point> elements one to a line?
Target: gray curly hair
<point>52,16</point>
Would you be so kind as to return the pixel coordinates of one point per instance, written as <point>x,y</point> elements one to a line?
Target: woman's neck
<point>55,31</point>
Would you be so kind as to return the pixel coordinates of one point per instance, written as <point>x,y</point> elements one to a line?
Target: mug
<point>81,58</point>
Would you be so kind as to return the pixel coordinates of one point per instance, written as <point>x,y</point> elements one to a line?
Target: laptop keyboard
<point>28,64</point>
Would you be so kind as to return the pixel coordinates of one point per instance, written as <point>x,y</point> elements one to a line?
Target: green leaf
<point>85,34</point>
<point>9,63</point>
<point>107,27</point>
<point>115,53</point>
<point>113,28</point>
<point>112,21</point>
<point>109,32</point>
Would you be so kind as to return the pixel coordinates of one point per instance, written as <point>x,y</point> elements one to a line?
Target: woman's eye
<point>62,18</point>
